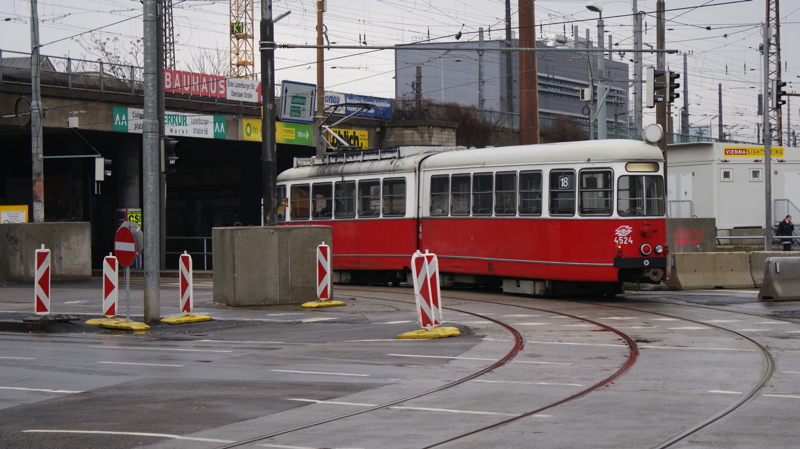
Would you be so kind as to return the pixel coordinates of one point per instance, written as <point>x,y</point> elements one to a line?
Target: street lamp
<point>602,126</point>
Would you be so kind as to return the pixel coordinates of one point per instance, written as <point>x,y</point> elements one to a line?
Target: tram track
<point>766,373</point>
<point>517,346</point>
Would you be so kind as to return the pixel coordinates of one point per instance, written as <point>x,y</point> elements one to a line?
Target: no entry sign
<point>127,243</point>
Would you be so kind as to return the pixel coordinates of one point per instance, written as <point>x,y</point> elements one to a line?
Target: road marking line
<point>160,349</point>
<point>441,357</point>
<point>43,390</point>
<point>789,372</point>
<point>17,358</point>
<point>401,407</point>
<point>754,330</point>
<point>319,372</point>
<point>620,345</point>
<point>688,328</point>
<point>527,383</point>
<point>694,349</point>
<point>250,341</point>
<point>620,318</point>
<point>724,392</point>
<point>314,320</point>
<point>790,396</point>
<point>139,364</point>
<point>580,325</point>
<point>724,321</point>
<point>531,324</point>
<point>137,434</point>
<point>520,316</point>
<point>396,322</point>
<point>283,446</point>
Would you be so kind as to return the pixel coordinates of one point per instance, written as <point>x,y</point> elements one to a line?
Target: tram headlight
<point>659,249</point>
<point>646,249</point>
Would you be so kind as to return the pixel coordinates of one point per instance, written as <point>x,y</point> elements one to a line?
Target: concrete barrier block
<point>267,265</point>
<point>710,270</point>
<point>70,244</point>
<point>781,279</point>
<point>758,259</point>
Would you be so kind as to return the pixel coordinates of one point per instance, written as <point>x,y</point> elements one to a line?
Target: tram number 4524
<point>623,240</point>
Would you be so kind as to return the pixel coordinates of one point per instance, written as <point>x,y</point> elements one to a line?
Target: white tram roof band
<point>409,159</point>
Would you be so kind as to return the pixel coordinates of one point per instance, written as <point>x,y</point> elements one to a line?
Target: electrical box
<point>587,94</point>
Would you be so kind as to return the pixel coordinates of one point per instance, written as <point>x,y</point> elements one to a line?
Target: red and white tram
<point>563,218</point>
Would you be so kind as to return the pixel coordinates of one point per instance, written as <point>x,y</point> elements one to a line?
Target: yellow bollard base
<point>436,332</point>
<point>121,324</point>
<point>182,319</point>
<point>97,321</point>
<point>315,304</point>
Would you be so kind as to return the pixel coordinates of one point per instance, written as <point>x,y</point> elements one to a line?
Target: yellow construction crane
<point>242,39</point>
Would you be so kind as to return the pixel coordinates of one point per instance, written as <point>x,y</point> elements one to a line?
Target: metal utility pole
<point>509,62</point>
<point>418,93</point>
<point>269,166</point>
<point>774,62</point>
<point>685,112</point>
<point>320,137</point>
<point>637,72</point>
<point>151,167</point>
<point>167,34</point>
<point>661,108</point>
<point>528,76</point>
<point>602,91</point>
<point>767,144</point>
<point>37,140</point>
<point>481,99</point>
<point>720,131</point>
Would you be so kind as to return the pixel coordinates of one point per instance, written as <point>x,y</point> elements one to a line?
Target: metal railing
<point>200,245</point>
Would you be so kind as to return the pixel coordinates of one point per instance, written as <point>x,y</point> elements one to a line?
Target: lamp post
<point>602,125</point>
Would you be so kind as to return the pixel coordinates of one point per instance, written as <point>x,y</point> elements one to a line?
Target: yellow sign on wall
<point>14,214</point>
<point>353,137</point>
<point>750,151</point>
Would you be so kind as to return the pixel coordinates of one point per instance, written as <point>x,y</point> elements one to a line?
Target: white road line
<point>520,316</point>
<point>140,364</point>
<point>620,318</point>
<point>620,345</point>
<point>527,383</point>
<point>137,434</point>
<point>283,446</point>
<point>688,328</point>
<point>441,357</point>
<point>396,322</point>
<point>42,390</point>
<point>790,396</point>
<point>695,348</point>
<point>788,372</point>
<point>160,349</point>
<point>17,358</point>
<point>723,321</point>
<point>266,342</point>
<point>400,407</point>
<point>531,324</point>
<point>724,392</point>
<point>754,330</point>
<point>579,325</point>
<point>664,319</point>
<point>314,320</point>
<point>319,372</point>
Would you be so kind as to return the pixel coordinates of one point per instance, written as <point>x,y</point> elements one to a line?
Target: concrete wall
<point>255,266</point>
<point>70,246</point>
<point>419,132</point>
<point>691,235</point>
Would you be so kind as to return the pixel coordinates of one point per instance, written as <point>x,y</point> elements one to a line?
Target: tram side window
<point>345,199</point>
<point>640,195</point>
<point>460,195</point>
<point>530,193</point>
<point>482,194</point>
<point>440,194</point>
<point>505,194</point>
<point>394,197</point>
<point>281,196</point>
<point>369,198</point>
<point>300,201</point>
<point>322,205</point>
<point>562,192</point>
<point>596,192</point>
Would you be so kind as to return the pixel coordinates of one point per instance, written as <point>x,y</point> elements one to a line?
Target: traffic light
<point>171,159</point>
<point>776,94</point>
<point>672,86</point>
<point>655,84</point>
<point>102,168</point>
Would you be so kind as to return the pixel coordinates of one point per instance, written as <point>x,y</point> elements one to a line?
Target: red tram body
<point>564,218</point>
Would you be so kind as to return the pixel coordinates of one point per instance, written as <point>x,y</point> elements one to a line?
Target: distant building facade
<point>453,76</point>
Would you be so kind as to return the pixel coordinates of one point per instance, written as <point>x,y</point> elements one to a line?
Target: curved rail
<point>518,345</point>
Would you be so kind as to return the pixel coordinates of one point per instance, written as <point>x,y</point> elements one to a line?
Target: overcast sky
<point>721,38</point>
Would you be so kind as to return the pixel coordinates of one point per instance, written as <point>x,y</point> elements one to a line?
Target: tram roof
<point>600,151</point>
<point>433,158</point>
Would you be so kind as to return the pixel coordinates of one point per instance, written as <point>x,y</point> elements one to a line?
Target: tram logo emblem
<point>623,231</point>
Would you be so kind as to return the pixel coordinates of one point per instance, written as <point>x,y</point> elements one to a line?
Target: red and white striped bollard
<point>42,284</point>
